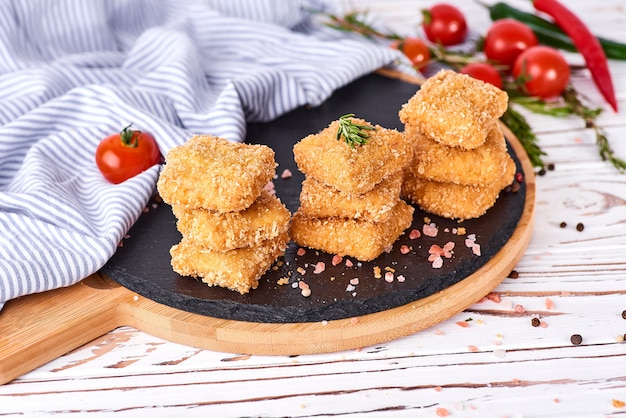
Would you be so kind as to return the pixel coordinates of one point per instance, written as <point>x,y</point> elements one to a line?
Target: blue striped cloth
<point>75,71</point>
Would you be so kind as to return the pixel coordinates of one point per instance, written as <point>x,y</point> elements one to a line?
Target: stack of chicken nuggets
<point>461,162</point>
<point>350,200</point>
<point>233,230</point>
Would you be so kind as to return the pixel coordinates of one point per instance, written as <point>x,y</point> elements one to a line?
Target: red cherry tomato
<point>415,49</point>
<point>483,71</point>
<point>444,24</point>
<point>124,155</point>
<point>506,39</point>
<point>544,70</point>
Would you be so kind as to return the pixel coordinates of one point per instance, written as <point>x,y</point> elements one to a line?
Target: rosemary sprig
<point>353,133</point>
<point>524,133</point>
<point>589,116</point>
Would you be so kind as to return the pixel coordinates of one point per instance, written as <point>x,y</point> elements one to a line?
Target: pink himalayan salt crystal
<point>549,303</point>
<point>389,277</point>
<point>430,230</point>
<point>354,281</point>
<point>404,249</point>
<point>349,263</point>
<point>286,174</point>
<point>414,234</point>
<point>473,348</point>
<point>319,267</point>
<point>337,259</point>
<point>301,251</point>
<point>519,309</point>
<point>269,187</point>
<point>437,262</point>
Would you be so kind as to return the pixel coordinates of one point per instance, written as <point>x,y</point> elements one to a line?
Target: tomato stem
<point>129,138</point>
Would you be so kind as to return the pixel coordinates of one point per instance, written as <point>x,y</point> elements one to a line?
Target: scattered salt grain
<point>400,278</point>
<point>500,353</point>
<point>377,272</point>
<point>350,288</point>
<point>438,263</point>
<point>306,292</point>
<point>354,281</point>
<point>389,277</point>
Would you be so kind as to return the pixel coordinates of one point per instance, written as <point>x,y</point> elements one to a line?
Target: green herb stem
<point>354,134</point>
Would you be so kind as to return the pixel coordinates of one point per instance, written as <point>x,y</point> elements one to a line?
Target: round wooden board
<point>38,328</point>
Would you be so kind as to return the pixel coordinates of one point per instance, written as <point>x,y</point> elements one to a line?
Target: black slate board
<point>142,264</point>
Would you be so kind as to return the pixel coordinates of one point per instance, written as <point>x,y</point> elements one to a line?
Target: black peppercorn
<point>576,339</point>
<point>563,224</point>
<point>580,226</point>
<point>550,166</point>
<point>513,274</point>
<point>535,322</point>
<point>624,314</point>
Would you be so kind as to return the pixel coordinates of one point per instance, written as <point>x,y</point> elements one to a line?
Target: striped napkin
<point>73,72</point>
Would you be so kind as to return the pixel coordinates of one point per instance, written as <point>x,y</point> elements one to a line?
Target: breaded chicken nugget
<point>216,174</point>
<point>318,200</point>
<point>238,270</point>
<point>360,239</point>
<point>352,170</point>
<point>478,167</point>
<point>265,219</point>
<point>455,201</point>
<point>455,109</point>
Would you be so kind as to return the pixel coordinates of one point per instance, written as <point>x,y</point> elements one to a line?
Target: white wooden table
<point>499,365</point>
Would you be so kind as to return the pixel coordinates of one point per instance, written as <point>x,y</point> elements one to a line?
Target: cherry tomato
<point>444,24</point>
<point>415,49</point>
<point>506,39</point>
<point>544,71</point>
<point>124,155</point>
<point>483,71</point>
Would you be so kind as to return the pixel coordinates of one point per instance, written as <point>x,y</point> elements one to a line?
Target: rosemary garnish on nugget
<point>353,133</point>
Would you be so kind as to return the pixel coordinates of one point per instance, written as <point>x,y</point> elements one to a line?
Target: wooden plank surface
<point>498,365</point>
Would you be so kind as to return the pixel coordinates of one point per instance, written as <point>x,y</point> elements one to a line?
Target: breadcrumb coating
<point>455,201</point>
<point>352,170</point>
<point>216,174</point>
<point>479,166</point>
<point>455,109</point>
<point>322,201</point>
<point>360,239</point>
<point>265,219</point>
<point>238,270</point>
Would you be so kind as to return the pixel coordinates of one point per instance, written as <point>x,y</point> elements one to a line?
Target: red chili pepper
<point>586,43</point>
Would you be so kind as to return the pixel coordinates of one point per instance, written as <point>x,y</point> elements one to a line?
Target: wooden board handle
<point>41,327</point>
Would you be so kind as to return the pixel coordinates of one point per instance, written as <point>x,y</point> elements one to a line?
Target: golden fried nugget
<point>479,167</point>
<point>265,219</point>
<point>352,170</point>
<point>216,174</point>
<point>318,200</point>
<point>455,201</point>
<point>455,109</point>
<point>238,270</point>
<point>360,239</point>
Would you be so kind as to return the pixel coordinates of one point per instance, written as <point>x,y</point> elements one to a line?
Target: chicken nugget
<point>352,170</point>
<point>265,219</point>
<point>479,166</point>
<point>319,200</point>
<point>238,270</point>
<point>455,109</point>
<point>455,201</point>
<point>216,174</point>
<point>360,239</point>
